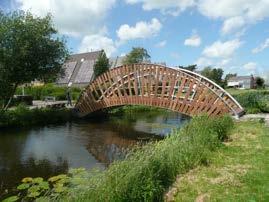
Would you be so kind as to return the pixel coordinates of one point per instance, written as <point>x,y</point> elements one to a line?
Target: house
<point>242,82</point>
<point>79,68</point>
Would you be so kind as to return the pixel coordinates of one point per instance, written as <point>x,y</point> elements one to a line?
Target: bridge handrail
<point>212,82</point>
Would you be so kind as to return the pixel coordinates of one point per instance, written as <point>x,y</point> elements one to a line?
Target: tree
<point>29,49</point>
<point>101,65</point>
<point>189,67</point>
<point>229,76</point>
<point>137,55</point>
<point>260,82</point>
<point>214,74</point>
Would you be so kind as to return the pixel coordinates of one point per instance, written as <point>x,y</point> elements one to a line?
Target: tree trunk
<point>10,98</point>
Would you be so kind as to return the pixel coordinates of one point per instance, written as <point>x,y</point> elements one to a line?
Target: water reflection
<point>48,151</point>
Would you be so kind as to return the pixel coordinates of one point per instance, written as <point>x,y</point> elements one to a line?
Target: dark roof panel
<point>79,68</point>
<point>240,78</point>
<point>68,71</point>
<point>85,72</point>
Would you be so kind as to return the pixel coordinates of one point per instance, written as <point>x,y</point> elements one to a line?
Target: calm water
<point>48,151</point>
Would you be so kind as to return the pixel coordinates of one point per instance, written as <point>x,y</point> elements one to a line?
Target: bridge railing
<point>150,80</point>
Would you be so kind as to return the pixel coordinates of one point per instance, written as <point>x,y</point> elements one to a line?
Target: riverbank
<point>146,172</point>
<point>237,172</point>
<point>23,116</point>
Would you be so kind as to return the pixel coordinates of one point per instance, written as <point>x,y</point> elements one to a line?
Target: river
<point>50,150</point>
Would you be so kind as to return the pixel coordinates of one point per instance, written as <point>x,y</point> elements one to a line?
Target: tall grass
<point>147,172</point>
<point>254,101</point>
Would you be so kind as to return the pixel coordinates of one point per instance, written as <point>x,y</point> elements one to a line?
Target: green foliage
<point>254,101</point>
<point>130,109</point>
<point>137,55</point>
<point>101,65</point>
<point>213,74</point>
<point>40,92</point>
<point>22,116</point>
<point>189,67</point>
<point>30,49</point>
<point>11,199</point>
<point>148,171</point>
<point>260,82</point>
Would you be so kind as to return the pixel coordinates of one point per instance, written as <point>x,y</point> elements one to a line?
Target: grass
<point>234,91</point>
<point>148,171</point>
<point>238,171</point>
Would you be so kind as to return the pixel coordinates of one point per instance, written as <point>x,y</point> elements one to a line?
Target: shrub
<point>23,116</point>
<point>40,92</point>
<point>254,101</point>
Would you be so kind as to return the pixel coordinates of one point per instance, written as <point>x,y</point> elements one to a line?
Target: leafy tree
<point>137,55</point>
<point>29,49</point>
<point>214,74</point>
<point>189,67</point>
<point>101,65</point>
<point>260,82</point>
<point>229,76</point>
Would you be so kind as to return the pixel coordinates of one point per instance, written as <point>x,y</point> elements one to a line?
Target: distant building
<point>79,68</point>
<point>242,82</point>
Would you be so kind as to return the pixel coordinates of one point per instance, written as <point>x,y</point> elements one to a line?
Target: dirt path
<point>264,116</point>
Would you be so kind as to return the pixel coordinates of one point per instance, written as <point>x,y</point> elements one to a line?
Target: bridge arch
<point>160,86</point>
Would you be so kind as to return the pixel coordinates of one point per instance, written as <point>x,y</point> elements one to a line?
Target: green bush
<point>147,172</point>
<point>23,116</point>
<point>40,92</point>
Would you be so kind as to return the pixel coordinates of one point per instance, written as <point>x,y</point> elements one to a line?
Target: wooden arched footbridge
<point>155,85</point>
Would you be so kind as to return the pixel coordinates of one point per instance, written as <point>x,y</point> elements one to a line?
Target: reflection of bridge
<point>154,85</point>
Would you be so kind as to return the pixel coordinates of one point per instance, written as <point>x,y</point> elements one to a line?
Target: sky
<point>230,34</point>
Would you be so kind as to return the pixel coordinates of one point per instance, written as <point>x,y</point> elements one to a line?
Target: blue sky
<point>231,34</point>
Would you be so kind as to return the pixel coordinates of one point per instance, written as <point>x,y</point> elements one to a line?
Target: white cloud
<point>222,49</point>
<point>250,9</point>
<point>251,66</point>
<point>194,40</point>
<point>236,14</point>
<point>71,17</point>
<point>232,24</point>
<point>203,62</point>
<point>97,42</point>
<point>225,62</point>
<point>140,30</point>
<point>173,7</point>
<point>161,44</point>
<point>261,47</point>
<point>224,9</point>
